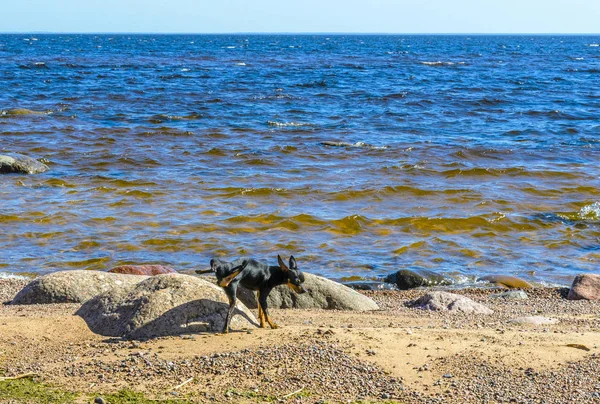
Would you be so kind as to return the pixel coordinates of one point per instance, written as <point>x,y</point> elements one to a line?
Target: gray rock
<point>585,287</point>
<point>534,320</point>
<point>72,286</point>
<point>321,293</point>
<point>511,295</point>
<point>19,164</point>
<point>169,304</point>
<point>408,279</point>
<point>444,301</point>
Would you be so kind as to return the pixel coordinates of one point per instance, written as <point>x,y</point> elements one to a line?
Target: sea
<point>359,155</point>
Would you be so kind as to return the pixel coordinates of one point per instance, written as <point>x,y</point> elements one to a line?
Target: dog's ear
<point>282,265</point>
<point>293,264</point>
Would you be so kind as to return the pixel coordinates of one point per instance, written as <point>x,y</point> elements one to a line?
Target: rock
<point>407,279</point>
<point>72,286</point>
<point>585,287</point>
<point>168,304</point>
<point>148,270</point>
<point>511,282</point>
<point>321,293</point>
<point>444,301</point>
<point>22,111</point>
<point>534,320</point>
<point>19,164</point>
<point>511,295</point>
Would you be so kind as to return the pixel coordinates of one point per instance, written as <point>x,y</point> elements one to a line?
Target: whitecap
<point>240,64</point>
<point>438,63</point>
<point>185,70</point>
<point>287,124</point>
<point>230,47</point>
<point>594,45</point>
<point>590,211</point>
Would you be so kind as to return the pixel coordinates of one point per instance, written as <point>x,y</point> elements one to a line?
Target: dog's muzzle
<point>297,288</point>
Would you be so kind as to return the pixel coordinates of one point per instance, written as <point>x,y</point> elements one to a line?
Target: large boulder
<point>444,301</point>
<point>408,279</point>
<point>170,304</point>
<point>148,270</point>
<point>585,287</point>
<point>72,286</point>
<point>19,164</point>
<point>321,293</point>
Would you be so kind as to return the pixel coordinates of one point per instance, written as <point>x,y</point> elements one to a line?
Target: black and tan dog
<point>257,276</point>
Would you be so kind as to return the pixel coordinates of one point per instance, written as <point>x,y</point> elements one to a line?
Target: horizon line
<point>293,33</point>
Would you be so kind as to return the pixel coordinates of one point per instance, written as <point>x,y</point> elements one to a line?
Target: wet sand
<point>395,354</point>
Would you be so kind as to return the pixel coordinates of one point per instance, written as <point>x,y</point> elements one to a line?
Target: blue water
<point>466,155</point>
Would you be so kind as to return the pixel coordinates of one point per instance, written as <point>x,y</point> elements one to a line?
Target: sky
<point>301,16</point>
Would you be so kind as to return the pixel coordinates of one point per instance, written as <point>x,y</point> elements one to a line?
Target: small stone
<point>447,376</point>
<point>99,400</point>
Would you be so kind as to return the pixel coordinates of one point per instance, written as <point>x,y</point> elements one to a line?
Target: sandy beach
<point>396,354</point>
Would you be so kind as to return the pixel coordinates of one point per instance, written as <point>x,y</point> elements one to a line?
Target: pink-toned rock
<point>148,270</point>
<point>585,287</point>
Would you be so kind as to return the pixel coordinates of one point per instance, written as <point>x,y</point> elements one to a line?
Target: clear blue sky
<point>230,16</point>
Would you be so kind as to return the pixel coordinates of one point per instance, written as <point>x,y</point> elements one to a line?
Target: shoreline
<point>394,354</point>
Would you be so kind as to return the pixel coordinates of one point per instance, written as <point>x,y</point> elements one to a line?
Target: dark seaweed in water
<point>173,149</point>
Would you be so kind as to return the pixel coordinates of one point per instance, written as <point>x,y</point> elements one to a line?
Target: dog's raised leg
<point>262,300</point>
<point>227,280</point>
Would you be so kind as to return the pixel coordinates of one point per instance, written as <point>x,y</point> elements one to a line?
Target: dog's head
<point>295,276</point>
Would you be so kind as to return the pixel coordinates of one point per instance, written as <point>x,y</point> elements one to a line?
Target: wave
<point>288,124</point>
<point>488,224</point>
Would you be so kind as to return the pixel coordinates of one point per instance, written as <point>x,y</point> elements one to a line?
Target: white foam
<point>285,124</point>
<point>594,45</point>
<point>185,70</point>
<point>8,275</point>
<point>590,211</point>
<point>439,63</point>
<point>240,64</point>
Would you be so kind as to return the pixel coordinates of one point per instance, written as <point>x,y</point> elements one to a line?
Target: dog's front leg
<point>262,300</point>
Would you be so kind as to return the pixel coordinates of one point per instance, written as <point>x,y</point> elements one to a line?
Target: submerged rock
<point>444,301</point>
<point>148,270</point>
<point>511,282</point>
<point>21,111</point>
<point>161,305</point>
<point>19,164</point>
<point>407,279</point>
<point>72,286</point>
<point>585,287</point>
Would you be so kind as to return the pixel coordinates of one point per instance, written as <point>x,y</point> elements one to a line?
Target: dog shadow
<point>197,316</point>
